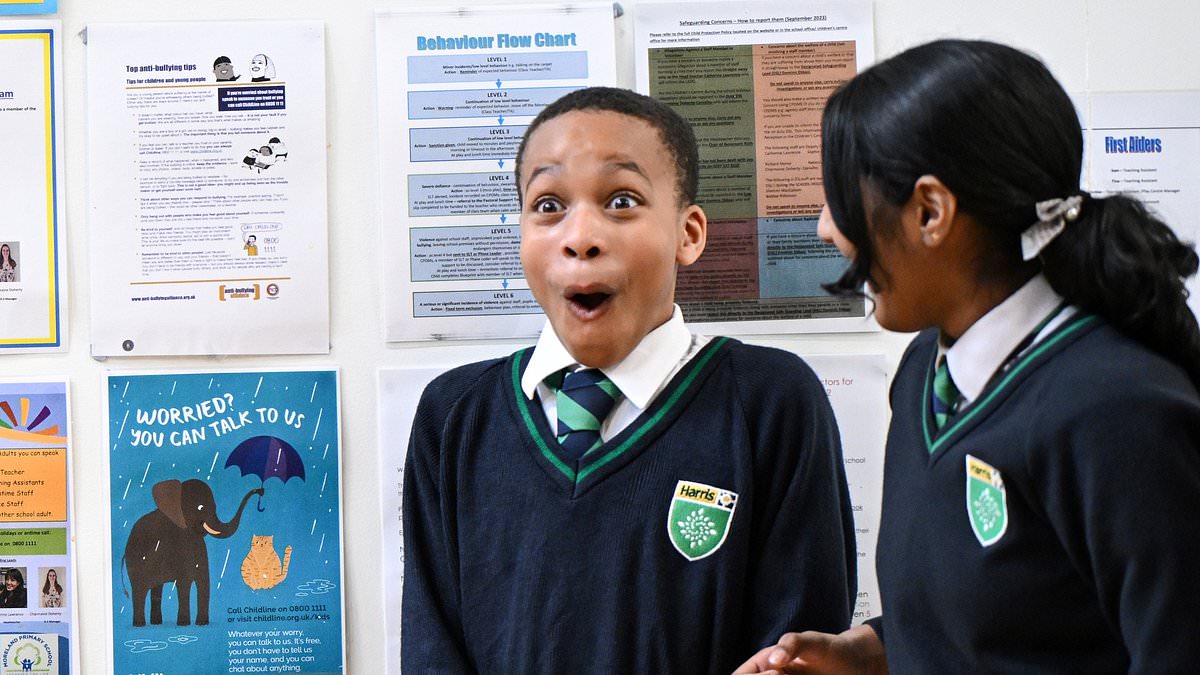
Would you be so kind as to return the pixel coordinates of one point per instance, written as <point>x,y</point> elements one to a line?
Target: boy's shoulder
<point>759,369</point>
<point>749,357</point>
<point>454,384</point>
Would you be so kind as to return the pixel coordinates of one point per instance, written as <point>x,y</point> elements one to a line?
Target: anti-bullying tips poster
<point>225,522</point>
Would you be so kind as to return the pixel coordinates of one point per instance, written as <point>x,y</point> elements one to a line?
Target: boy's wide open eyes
<point>623,201</point>
<point>547,205</point>
<point>616,203</point>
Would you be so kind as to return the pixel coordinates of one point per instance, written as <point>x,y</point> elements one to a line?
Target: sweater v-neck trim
<point>993,395</point>
<point>576,472</point>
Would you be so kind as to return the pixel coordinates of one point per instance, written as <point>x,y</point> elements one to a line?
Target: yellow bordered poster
<point>32,308</point>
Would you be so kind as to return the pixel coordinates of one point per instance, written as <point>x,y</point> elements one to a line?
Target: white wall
<point>1091,45</point>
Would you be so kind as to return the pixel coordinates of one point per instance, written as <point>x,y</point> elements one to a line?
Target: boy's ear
<point>693,236</point>
<point>933,207</point>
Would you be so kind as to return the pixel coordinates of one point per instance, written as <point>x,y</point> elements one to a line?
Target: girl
<point>52,592</point>
<point>14,594</point>
<point>1042,473</point>
<point>8,265</point>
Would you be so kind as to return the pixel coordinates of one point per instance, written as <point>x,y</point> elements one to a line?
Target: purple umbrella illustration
<point>267,457</point>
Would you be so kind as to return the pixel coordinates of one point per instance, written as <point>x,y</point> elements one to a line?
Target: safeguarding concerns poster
<point>225,522</point>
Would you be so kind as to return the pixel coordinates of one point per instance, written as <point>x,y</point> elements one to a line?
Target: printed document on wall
<point>857,390</point>
<point>38,608</point>
<point>457,88</point>
<point>32,274</point>
<point>225,522</point>
<point>752,78</point>
<point>206,188</point>
<point>399,393</point>
<point>1147,145</point>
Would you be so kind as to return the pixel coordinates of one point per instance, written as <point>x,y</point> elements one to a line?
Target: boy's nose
<point>582,235</point>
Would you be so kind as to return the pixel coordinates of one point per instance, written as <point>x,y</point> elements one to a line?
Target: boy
<point>673,513</point>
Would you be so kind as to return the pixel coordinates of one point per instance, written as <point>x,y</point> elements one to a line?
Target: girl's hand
<point>857,650</point>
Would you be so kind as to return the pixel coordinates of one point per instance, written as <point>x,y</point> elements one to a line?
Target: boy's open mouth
<point>589,301</point>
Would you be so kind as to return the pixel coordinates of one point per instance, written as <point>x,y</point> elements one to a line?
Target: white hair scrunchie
<point>1053,216</point>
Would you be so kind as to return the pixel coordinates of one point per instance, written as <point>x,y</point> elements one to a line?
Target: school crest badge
<point>987,501</point>
<point>699,518</point>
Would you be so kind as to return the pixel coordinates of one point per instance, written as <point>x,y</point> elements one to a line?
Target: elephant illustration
<point>167,545</point>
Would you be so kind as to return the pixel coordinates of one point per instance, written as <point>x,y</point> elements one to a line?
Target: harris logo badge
<point>987,501</point>
<point>699,519</point>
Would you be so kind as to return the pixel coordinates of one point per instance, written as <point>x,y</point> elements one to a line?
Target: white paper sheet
<point>206,170</point>
<point>457,87</point>
<point>1148,146</point>
<point>32,279</point>
<point>399,392</point>
<point>752,78</point>
<point>857,389</point>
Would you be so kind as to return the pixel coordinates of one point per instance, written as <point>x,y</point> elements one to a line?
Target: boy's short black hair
<point>221,59</point>
<point>675,132</point>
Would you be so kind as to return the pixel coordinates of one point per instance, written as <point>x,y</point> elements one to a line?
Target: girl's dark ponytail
<point>1120,261</point>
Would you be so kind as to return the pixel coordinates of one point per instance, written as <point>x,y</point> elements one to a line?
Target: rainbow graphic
<point>24,429</point>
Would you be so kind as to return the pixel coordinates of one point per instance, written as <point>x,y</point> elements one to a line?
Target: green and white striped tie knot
<point>946,396</point>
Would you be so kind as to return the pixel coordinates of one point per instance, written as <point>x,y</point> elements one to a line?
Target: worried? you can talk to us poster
<point>225,522</point>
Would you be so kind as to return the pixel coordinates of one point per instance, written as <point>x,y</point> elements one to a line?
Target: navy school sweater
<point>711,525</point>
<point>1055,527</point>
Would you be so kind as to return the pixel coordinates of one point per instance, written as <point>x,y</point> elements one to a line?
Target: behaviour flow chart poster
<point>32,284</point>
<point>752,78</point>
<point>225,522</point>
<point>1147,145</point>
<point>457,88</point>
<point>207,188</point>
<point>857,390</point>
<point>38,611</point>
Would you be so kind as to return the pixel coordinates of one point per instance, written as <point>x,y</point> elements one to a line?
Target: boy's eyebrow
<point>627,165</point>
<point>609,167</point>
<point>545,168</point>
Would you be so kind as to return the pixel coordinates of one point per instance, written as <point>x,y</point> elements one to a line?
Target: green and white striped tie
<point>584,400</point>
<point>945,395</point>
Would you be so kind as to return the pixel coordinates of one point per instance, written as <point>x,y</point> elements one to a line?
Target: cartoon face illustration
<point>261,68</point>
<point>223,69</point>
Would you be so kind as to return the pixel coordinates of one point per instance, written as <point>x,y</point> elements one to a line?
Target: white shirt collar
<point>985,346</point>
<point>638,376</point>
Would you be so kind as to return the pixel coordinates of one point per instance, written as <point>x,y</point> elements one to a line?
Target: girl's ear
<point>935,207</point>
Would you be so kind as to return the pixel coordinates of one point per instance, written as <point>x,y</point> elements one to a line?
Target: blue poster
<point>226,523</point>
<point>21,7</point>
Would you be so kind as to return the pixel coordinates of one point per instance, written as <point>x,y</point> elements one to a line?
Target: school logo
<point>699,519</point>
<point>987,501</point>
<point>28,654</point>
